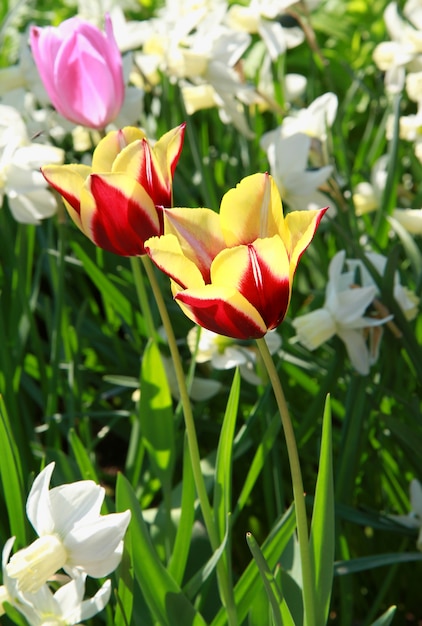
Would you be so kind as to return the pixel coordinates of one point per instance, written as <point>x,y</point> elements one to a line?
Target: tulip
<point>118,201</point>
<point>71,533</point>
<point>81,69</point>
<point>232,273</point>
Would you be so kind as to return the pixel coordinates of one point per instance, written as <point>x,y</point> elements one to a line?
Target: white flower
<point>343,314</point>
<point>414,518</point>
<point>260,17</point>
<point>8,590</point>
<point>367,197</point>
<point>72,533</point>
<point>288,159</point>
<point>407,301</point>
<point>224,353</point>
<point>410,219</point>
<point>313,120</point>
<point>20,179</point>
<point>66,606</point>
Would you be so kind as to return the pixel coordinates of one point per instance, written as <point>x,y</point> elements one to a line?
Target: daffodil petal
<point>111,145</point>
<point>117,214</point>
<point>223,310</point>
<point>260,272</point>
<point>199,234</point>
<point>167,254</point>
<point>68,181</point>
<point>251,210</point>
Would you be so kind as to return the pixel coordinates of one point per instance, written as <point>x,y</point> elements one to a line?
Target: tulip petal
<point>299,229</point>
<point>68,181</point>
<point>223,310</point>
<point>111,145</point>
<point>199,234</point>
<point>118,214</point>
<point>153,167</point>
<point>167,254</point>
<point>260,272</point>
<point>251,210</point>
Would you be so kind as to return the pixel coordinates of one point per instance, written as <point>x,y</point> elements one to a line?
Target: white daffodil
<point>314,120</point>
<point>367,196</point>
<point>225,353</point>
<point>206,68</point>
<point>260,17</point>
<point>410,219</point>
<point>407,300</point>
<point>414,518</point>
<point>343,314</point>
<point>72,533</point>
<point>288,159</point>
<point>8,590</point>
<point>66,606</point>
<point>404,49</point>
<point>21,181</point>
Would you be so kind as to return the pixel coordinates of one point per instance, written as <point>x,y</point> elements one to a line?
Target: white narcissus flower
<point>225,353</point>
<point>260,17</point>
<point>313,120</point>
<point>72,533</point>
<point>407,300</point>
<point>414,518</point>
<point>410,219</point>
<point>367,197</point>
<point>66,606</point>
<point>343,314</point>
<point>21,181</point>
<point>288,159</point>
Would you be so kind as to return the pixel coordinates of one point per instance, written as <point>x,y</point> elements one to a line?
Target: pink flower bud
<point>81,68</point>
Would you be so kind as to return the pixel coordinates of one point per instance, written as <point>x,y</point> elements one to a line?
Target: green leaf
<point>197,581</point>
<point>179,555</point>
<point>322,536</point>
<point>124,595</point>
<point>167,603</point>
<point>223,465</point>
<point>250,583</point>
<point>280,610</point>
<point>156,415</point>
<point>364,563</point>
<point>386,618</point>
<point>111,294</point>
<point>12,478</point>
<point>83,460</point>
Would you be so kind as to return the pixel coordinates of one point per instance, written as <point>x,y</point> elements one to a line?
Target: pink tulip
<point>81,68</point>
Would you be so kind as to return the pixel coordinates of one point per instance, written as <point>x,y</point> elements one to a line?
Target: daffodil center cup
<point>34,565</point>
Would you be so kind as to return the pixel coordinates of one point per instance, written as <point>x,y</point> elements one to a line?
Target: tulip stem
<point>308,579</point>
<point>143,297</point>
<point>222,573</point>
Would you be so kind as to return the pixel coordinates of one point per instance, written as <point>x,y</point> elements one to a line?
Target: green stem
<point>224,581</point>
<point>142,296</point>
<point>297,483</point>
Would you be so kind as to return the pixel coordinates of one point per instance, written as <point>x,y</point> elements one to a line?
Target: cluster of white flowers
<point>349,295</point>
<point>73,537</point>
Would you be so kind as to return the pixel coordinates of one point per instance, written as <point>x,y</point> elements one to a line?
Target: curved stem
<point>308,580</point>
<point>192,441</point>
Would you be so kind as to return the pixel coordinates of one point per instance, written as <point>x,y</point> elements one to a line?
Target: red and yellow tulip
<point>232,272</point>
<point>118,202</point>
